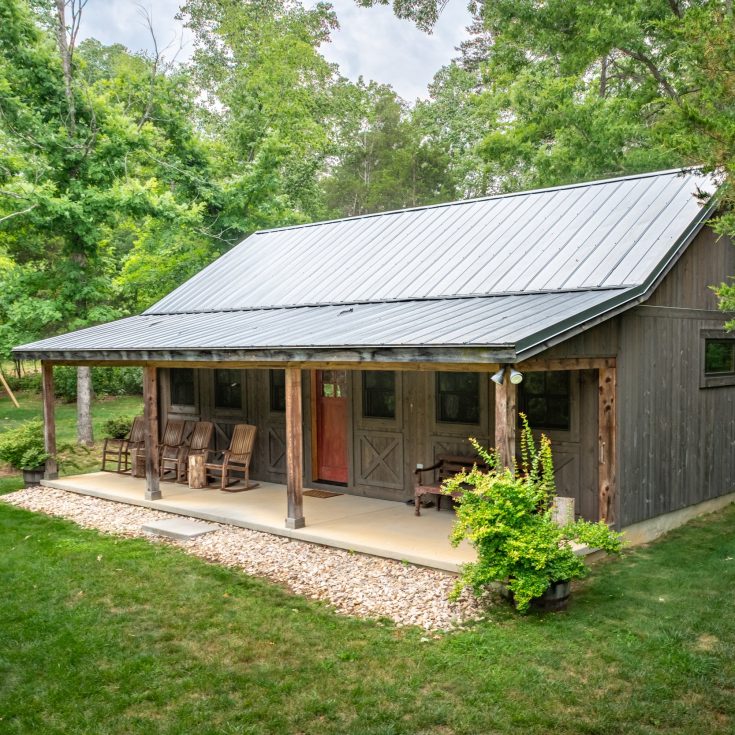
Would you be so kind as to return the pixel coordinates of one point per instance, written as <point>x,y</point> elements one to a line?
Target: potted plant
<point>23,448</point>
<point>506,514</point>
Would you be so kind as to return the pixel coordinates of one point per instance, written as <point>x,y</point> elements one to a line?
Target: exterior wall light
<point>499,376</point>
<point>515,376</point>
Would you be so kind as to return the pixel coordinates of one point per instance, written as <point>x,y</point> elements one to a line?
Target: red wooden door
<point>331,425</point>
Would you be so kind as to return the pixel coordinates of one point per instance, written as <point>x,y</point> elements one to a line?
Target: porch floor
<point>379,527</point>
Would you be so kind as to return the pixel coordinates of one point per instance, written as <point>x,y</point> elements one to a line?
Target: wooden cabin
<point>365,347</point>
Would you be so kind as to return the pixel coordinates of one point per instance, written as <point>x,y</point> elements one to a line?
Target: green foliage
<point>23,447</point>
<point>117,381</point>
<point>118,427</point>
<point>506,514</point>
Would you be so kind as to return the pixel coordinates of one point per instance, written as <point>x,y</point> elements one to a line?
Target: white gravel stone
<point>353,584</point>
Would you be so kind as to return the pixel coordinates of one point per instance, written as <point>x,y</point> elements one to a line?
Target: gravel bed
<point>354,584</point>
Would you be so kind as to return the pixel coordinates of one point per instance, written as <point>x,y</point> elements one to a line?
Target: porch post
<point>607,428</point>
<point>150,413</point>
<point>294,450</point>
<point>506,417</point>
<point>49,420</point>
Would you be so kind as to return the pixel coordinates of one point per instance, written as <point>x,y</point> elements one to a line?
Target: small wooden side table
<point>197,476</point>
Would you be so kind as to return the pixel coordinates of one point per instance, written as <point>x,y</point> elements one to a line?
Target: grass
<point>77,460</point>
<point>105,635</point>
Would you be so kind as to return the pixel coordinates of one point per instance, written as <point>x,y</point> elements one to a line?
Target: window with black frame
<point>458,398</point>
<point>228,389</point>
<point>277,381</point>
<point>379,394</point>
<point>545,398</point>
<point>719,357</point>
<point>183,391</point>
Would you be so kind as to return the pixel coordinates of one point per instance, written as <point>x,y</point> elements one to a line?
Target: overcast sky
<point>371,42</point>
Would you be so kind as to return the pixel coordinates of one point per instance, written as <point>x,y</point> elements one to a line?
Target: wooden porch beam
<point>294,450</point>
<point>607,427</point>
<point>49,420</point>
<point>565,363</point>
<point>506,418</point>
<point>150,413</point>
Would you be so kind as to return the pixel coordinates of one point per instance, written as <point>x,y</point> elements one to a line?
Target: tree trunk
<point>85,435</point>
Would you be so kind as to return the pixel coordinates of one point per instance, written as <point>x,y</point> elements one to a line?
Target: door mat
<point>321,494</point>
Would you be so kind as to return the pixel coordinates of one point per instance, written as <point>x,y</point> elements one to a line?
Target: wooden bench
<point>446,466</point>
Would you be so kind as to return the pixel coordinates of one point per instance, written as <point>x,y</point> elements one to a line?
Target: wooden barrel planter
<point>33,477</point>
<point>554,599</point>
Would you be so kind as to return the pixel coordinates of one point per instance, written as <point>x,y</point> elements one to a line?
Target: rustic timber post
<point>294,450</point>
<point>49,420</point>
<point>150,412</point>
<point>506,417</point>
<point>607,428</point>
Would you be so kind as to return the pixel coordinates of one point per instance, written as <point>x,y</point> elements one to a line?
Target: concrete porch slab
<point>382,528</point>
<point>182,529</point>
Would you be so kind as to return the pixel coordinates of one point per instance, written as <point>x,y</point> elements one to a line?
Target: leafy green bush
<point>113,381</point>
<point>118,427</point>
<point>23,447</point>
<point>506,515</point>
<point>29,381</point>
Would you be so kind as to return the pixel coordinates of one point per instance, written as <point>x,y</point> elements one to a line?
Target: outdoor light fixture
<point>515,376</point>
<point>499,376</point>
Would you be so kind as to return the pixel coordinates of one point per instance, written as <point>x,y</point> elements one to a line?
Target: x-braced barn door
<point>331,426</point>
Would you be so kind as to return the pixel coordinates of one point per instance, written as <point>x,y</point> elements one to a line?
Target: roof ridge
<point>560,187</point>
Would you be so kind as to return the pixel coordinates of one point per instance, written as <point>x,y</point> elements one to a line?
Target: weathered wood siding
<point>709,260</point>
<point>676,440</point>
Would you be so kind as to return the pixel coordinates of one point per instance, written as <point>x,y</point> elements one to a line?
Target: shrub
<point>506,515</point>
<point>118,427</point>
<point>112,381</point>
<point>29,381</point>
<point>23,447</point>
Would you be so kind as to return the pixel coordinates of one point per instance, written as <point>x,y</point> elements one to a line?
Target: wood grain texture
<point>49,421</point>
<point>294,450</point>
<point>150,413</point>
<point>607,437</point>
<point>506,419</point>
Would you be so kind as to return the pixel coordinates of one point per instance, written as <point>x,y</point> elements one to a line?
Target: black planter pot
<point>555,598</point>
<point>33,477</point>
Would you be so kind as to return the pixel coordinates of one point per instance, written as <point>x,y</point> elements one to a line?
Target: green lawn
<point>77,461</point>
<point>105,635</point>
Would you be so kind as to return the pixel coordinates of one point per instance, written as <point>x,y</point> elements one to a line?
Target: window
<point>719,357</point>
<point>277,379</point>
<point>458,398</point>
<point>545,399</point>
<point>227,389</point>
<point>182,387</point>
<point>379,394</point>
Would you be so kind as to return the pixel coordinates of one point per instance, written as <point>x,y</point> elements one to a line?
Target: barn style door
<point>331,426</point>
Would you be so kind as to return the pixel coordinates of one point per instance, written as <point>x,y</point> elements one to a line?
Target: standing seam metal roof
<point>603,234</point>
<point>510,272</point>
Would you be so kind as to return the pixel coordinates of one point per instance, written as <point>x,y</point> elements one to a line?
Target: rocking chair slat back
<point>201,437</point>
<point>243,439</point>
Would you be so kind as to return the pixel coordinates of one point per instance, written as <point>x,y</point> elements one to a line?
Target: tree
<point>386,160</point>
<point>77,161</point>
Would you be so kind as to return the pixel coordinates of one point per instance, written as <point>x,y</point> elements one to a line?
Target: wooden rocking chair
<point>173,438</point>
<point>117,451</point>
<point>236,458</point>
<point>197,443</point>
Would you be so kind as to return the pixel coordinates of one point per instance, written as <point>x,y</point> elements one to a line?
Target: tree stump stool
<point>197,476</point>
<point>137,462</point>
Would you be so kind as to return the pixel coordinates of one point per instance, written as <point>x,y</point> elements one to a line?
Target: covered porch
<point>382,528</point>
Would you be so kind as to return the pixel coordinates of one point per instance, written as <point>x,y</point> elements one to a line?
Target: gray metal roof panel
<point>601,234</point>
<point>479,321</point>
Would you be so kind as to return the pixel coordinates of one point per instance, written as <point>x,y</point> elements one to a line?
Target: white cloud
<point>371,42</point>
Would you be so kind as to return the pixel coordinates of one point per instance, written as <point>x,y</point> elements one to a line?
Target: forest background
<point>124,173</point>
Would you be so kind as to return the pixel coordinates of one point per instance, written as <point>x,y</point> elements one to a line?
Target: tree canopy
<point>123,173</point>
